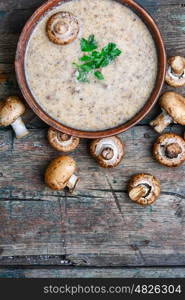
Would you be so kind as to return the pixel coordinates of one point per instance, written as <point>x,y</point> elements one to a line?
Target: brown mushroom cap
<point>174,104</point>
<point>175,75</point>
<point>144,189</point>
<point>169,150</point>
<point>62,28</point>
<point>10,110</point>
<point>108,152</point>
<point>61,141</point>
<point>59,172</point>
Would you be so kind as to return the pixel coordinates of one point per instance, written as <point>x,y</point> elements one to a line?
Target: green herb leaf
<point>86,67</point>
<point>85,58</point>
<point>82,76</point>
<point>99,75</point>
<point>95,59</point>
<point>88,45</point>
<point>109,52</point>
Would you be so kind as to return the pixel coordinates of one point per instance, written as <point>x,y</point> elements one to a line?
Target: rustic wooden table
<point>98,231</point>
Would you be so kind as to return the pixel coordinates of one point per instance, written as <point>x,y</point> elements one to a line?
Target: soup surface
<point>98,104</point>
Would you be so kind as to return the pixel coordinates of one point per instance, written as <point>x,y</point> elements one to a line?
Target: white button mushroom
<point>173,111</point>
<point>61,141</point>
<point>144,189</point>
<point>60,174</point>
<point>10,114</point>
<point>62,28</point>
<point>175,75</point>
<point>169,150</point>
<point>107,151</point>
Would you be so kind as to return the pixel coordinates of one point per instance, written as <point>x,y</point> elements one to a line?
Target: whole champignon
<point>61,141</point>
<point>107,151</point>
<point>62,28</point>
<point>169,150</point>
<point>173,111</point>
<point>144,189</point>
<point>175,75</point>
<point>11,111</point>
<point>60,174</point>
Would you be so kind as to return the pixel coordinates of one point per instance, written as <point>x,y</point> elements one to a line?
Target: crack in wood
<point>125,191</point>
<point>35,260</point>
<point>109,190</point>
<point>174,194</point>
<point>137,249</point>
<point>113,194</point>
<point>23,200</point>
<point>113,191</point>
<point>142,256</point>
<point>63,223</point>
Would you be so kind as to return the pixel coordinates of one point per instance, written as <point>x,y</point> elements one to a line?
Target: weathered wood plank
<point>9,5</point>
<point>31,228</point>
<point>101,225</point>
<point>19,4</point>
<point>102,234</point>
<point>168,3</point>
<point>35,260</point>
<point>8,83</point>
<point>94,273</point>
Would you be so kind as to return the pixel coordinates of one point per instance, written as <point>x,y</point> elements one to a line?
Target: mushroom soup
<point>118,91</point>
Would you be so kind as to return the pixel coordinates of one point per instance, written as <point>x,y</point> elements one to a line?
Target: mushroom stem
<point>64,137</point>
<point>161,122</point>
<point>138,192</point>
<point>173,150</point>
<point>61,27</point>
<point>107,153</point>
<point>19,128</point>
<point>175,75</point>
<point>108,150</point>
<point>72,182</point>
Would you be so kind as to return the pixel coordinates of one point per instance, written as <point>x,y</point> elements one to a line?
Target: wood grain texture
<point>93,273</point>
<point>30,229</point>
<point>98,225</point>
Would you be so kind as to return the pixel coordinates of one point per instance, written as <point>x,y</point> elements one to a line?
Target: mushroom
<point>60,174</point>
<point>107,151</point>
<point>11,110</point>
<point>62,28</point>
<point>144,189</point>
<point>175,75</point>
<point>173,111</point>
<point>169,150</point>
<point>61,141</point>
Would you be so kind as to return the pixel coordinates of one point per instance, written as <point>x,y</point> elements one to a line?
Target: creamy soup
<point>98,104</point>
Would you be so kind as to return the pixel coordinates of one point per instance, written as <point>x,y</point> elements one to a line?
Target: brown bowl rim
<point>21,78</point>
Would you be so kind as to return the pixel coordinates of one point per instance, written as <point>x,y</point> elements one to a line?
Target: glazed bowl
<point>21,77</point>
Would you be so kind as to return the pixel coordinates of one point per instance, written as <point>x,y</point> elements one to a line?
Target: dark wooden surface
<point>98,226</point>
<point>69,272</point>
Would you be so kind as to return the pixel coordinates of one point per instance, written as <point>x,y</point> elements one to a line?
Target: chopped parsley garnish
<point>88,45</point>
<point>95,60</point>
<point>99,75</point>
